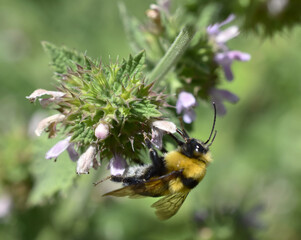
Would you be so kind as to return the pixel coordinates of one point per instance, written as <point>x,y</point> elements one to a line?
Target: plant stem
<point>173,54</point>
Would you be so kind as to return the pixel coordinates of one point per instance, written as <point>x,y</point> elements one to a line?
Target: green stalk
<point>173,54</point>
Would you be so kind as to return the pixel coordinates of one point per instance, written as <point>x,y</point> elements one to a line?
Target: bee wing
<point>154,187</point>
<point>168,206</point>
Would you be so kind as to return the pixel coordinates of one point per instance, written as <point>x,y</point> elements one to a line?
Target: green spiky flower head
<point>107,106</point>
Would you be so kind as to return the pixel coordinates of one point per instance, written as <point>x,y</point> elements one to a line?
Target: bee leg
<point>126,180</point>
<point>158,163</point>
<point>117,178</point>
<point>163,150</point>
<point>179,142</point>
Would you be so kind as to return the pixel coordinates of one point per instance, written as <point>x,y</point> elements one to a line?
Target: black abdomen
<point>189,182</point>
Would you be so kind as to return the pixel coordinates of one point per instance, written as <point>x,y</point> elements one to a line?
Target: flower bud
<point>102,131</point>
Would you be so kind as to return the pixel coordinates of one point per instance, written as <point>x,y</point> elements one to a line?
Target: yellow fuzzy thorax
<point>192,167</point>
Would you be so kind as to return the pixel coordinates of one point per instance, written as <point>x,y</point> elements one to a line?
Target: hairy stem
<point>173,54</point>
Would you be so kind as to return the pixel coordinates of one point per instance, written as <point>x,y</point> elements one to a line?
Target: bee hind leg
<point>127,180</point>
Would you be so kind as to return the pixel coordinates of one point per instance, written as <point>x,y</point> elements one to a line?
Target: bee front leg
<point>158,163</point>
<point>179,142</point>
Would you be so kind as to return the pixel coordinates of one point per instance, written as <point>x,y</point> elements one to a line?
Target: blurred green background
<point>255,177</point>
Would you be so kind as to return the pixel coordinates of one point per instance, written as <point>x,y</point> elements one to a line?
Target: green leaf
<point>62,57</point>
<point>130,68</point>
<point>50,177</point>
<point>145,109</point>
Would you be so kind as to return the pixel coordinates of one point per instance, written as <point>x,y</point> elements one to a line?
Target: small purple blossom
<point>220,95</point>
<point>225,59</point>
<point>117,165</point>
<point>220,37</point>
<point>224,56</point>
<point>186,102</point>
<point>226,35</point>
<point>58,148</point>
<point>215,28</point>
<point>73,154</point>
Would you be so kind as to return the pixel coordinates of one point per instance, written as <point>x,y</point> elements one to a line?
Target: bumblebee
<point>171,176</point>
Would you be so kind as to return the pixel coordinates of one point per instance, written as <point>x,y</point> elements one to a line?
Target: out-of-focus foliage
<point>256,152</point>
<point>264,17</point>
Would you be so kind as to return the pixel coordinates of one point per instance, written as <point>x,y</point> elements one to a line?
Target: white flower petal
<point>166,126</point>
<point>42,92</point>
<point>5,205</point>
<point>85,161</point>
<point>159,128</point>
<point>47,121</point>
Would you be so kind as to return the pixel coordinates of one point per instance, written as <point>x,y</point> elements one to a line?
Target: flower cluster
<point>196,74</point>
<point>224,57</point>
<point>206,86</point>
<point>104,111</point>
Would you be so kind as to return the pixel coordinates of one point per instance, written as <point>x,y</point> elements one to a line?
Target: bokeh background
<point>251,191</point>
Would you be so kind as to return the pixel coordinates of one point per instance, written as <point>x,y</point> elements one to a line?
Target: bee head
<point>194,148</point>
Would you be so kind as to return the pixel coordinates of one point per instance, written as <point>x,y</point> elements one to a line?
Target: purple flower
<point>186,102</point>
<point>214,29</point>
<point>225,59</point>
<point>72,153</point>
<point>220,37</point>
<point>224,56</point>
<point>220,95</point>
<point>117,165</point>
<point>60,147</point>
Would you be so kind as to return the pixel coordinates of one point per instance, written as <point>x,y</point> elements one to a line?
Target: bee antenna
<point>213,125</point>
<point>215,132</point>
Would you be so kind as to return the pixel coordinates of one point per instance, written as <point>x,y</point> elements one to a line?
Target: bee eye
<point>199,149</point>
